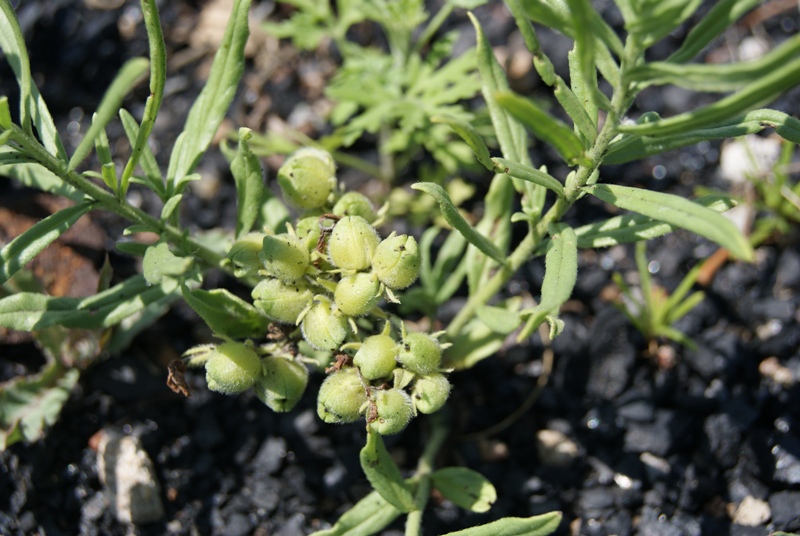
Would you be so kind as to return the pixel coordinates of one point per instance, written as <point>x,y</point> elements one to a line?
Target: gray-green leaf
<point>515,526</point>
<point>383,474</point>
<point>469,135</point>
<point>368,516</point>
<point>248,175</point>
<point>465,488</point>
<point>159,262</point>
<point>226,314</point>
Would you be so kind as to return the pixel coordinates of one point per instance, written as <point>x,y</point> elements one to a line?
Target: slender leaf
<point>679,212</point>
<point>515,526</point>
<point>658,19</point>
<point>368,516</point>
<point>33,175</point>
<point>152,174</point>
<point>226,314</point>
<point>5,114</point>
<point>465,488</point>
<point>170,206</point>
<point>27,245</point>
<point>499,319</point>
<point>528,173</point>
<point>249,179</point>
<point>474,343</point>
<point>159,263</point>
<point>469,135</point>
<point>454,218</point>
<point>211,105</point>
<point>383,474</point>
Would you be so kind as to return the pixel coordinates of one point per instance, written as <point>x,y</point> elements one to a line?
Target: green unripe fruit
<point>281,302</point>
<point>357,294</point>
<point>323,328</point>
<point>308,232</point>
<point>244,254</point>
<point>282,383</point>
<point>376,357</point>
<point>430,392</point>
<point>420,353</point>
<point>394,411</point>
<point>285,257</point>
<point>307,178</point>
<point>352,243</point>
<point>396,261</point>
<point>341,397</point>
<point>355,204</point>
<point>232,368</point>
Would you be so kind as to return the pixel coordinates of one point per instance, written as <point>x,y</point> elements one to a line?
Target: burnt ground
<point>666,444</point>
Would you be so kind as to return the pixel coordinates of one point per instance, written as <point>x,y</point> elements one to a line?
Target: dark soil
<point>664,444</point>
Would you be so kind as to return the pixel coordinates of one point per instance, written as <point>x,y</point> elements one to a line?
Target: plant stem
<point>439,432</point>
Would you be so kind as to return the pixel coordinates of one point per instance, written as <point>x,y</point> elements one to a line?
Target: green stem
<point>423,475</point>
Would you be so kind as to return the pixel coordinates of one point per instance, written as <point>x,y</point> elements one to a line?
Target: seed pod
<point>396,261</point>
<point>323,327</point>
<point>244,254</point>
<point>355,204</point>
<point>232,368</point>
<point>430,392</point>
<point>357,294</point>
<point>420,353</point>
<point>281,302</point>
<point>307,178</point>
<point>352,243</point>
<point>285,257</point>
<point>307,231</point>
<point>341,397</point>
<point>282,383</point>
<point>376,357</point>
<point>394,411</point>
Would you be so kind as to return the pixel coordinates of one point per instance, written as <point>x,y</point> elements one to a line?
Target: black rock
<point>785,510</point>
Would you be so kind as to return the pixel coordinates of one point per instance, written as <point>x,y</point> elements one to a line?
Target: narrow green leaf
<point>384,475</point>
<point>158,77</point>
<point>109,175</point>
<point>469,135</point>
<point>581,111</point>
<point>159,262</point>
<point>658,19</point>
<point>528,173</point>
<point>454,218</point>
<point>129,75</point>
<point>499,319</point>
<point>33,175</point>
<point>26,246</point>
<point>474,343</point>
<point>249,178</point>
<point>5,114</point>
<point>29,404</point>
<point>212,104</point>
<point>679,212</point>
<point>170,206</point>
<point>226,314</point>
<point>515,526</point>
<point>584,40</point>
<point>544,126</point>
<point>368,516</point>
<point>465,488</point>
<point>152,174</point>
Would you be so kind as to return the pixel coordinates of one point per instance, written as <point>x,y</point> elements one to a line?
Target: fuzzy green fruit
<point>420,353</point>
<point>430,392</point>
<point>376,357</point>
<point>244,254</point>
<point>281,302</point>
<point>282,383</point>
<point>232,368</point>
<point>394,411</point>
<point>352,243</point>
<point>307,178</point>
<point>308,232</point>
<point>355,204</point>
<point>341,397</point>
<point>396,261</point>
<point>323,328</point>
<point>285,257</point>
<point>357,294</point>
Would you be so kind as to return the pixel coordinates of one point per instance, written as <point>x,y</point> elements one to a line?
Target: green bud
<point>430,392</point>
<point>244,254</point>
<point>308,231</point>
<point>282,383</point>
<point>357,294</point>
<point>355,204</point>
<point>420,353</point>
<point>376,357</point>
<point>341,397</point>
<point>281,302</point>
<point>323,328</point>
<point>352,243</point>
<point>307,178</point>
<point>232,368</point>
<point>394,411</point>
<point>285,257</point>
<point>396,261</point>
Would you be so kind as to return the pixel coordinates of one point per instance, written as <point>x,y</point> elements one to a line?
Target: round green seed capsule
<point>308,232</point>
<point>323,328</point>
<point>285,257</point>
<point>352,243</point>
<point>357,294</point>
<point>341,397</point>
<point>394,411</point>
<point>244,254</point>
<point>376,357</point>
<point>420,353</point>
<point>430,392</point>
<point>282,383</point>
<point>355,204</point>
<point>396,261</point>
<point>307,178</point>
<point>232,368</point>
<point>281,302</point>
